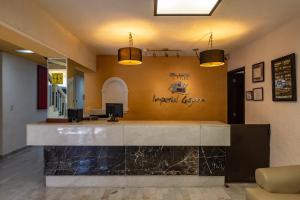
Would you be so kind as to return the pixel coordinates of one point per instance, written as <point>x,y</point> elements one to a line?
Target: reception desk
<point>132,153</point>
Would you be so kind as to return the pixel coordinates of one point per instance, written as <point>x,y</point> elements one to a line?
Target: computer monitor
<point>75,115</point>
<point>113,111</point>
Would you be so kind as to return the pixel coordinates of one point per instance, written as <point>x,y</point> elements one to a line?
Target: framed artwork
<point>249,95</point>
<point>57,78</point>
<point>258,72</point>
<point>258,94</point>
<point>284,87</point>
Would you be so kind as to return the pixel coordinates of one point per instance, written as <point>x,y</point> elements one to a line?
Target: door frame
<point>229,73</point>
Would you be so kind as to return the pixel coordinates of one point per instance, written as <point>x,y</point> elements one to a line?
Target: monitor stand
<point>112,119</point>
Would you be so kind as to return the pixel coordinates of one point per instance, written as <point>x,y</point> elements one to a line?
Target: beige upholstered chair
<point>277,183</point>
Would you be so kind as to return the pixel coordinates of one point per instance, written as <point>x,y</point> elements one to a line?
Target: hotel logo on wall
<point>178,92</point>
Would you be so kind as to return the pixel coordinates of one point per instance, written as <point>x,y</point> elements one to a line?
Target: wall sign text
<point>178,92</point>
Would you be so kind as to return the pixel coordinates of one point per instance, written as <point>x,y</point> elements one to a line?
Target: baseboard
<point>134,181</point>
<point>13,152</point>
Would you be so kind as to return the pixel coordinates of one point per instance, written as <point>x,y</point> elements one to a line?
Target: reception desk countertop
<point>129,133</point>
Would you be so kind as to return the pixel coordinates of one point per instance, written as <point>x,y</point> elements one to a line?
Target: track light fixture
<point>164,52</point>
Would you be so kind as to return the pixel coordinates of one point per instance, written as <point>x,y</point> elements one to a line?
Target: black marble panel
<point>161,160</point>
<point>84,160</point>
<point>134,160</point>
<point>212,161</point>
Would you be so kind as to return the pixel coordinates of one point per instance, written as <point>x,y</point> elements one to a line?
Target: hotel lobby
<point>149,100</point>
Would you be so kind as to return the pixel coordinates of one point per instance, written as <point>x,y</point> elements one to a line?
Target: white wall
<point>19,101</point>
<point>284,117</point>
<point>1,135</point>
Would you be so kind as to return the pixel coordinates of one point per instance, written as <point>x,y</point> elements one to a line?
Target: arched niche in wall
<point>115,90</point>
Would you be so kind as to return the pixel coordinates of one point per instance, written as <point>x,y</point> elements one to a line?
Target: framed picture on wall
<point>249,95</point>
<point>284,87</point>
<point>258,72</point>
<point>258,94</point>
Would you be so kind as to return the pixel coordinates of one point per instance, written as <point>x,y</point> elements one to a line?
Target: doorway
<point>79,90</point>
<point>236,96</point>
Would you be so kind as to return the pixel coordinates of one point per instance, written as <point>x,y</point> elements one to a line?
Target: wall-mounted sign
<point>180,76</point>
<point>179,88</point>
<point>57,78</point>
<point>180,98</point>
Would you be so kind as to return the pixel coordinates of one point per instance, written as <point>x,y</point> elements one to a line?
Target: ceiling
<point>37,58</point>
<point>104,24</point>
<point>11,48</point>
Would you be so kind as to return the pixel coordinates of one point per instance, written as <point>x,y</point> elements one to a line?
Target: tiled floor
<point>21,178</point>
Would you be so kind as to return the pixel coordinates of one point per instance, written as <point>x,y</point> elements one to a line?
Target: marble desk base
<point>134,166</point>
<point>134,160</point>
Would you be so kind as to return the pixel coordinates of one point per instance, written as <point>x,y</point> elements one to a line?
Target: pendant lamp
<point>212,57</point>
<point>130,55</point>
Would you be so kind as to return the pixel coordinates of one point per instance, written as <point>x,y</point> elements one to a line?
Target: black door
<point>236,96</point>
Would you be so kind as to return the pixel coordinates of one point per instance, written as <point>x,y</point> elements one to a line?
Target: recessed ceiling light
<point>185,7</point>
<point>26,51</point>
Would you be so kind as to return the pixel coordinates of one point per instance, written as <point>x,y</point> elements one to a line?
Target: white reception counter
<point>129,133</point>
<point>132,153</point>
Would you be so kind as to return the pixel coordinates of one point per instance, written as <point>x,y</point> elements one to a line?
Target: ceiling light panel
<point>25,51</point>
<point>185,7</point>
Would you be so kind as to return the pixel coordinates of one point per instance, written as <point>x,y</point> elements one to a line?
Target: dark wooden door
<point>236,96</point>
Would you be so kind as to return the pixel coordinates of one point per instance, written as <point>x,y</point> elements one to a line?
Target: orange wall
<point>152,77</point>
